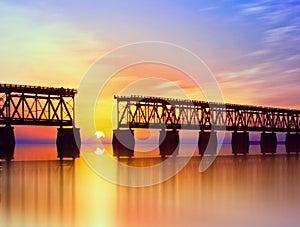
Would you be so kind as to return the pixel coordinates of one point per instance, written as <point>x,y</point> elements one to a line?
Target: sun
<point>100,134</point>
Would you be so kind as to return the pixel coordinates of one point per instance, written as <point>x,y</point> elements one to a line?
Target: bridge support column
<point>292,143</point>
<point>240,143</point>
<point>268,143</point>
<point>203,143</point>
<point>123,143</point>
<point>68,143</point>
<point>7,143</point>
<point>168,142</point>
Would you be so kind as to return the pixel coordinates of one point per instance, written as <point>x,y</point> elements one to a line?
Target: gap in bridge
<point>35,143</point>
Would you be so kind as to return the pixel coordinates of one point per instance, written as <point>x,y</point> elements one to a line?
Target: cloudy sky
<point>252,47</point>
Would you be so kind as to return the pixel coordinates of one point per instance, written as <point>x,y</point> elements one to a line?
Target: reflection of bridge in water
<point>37,191</point>
<point>35,105</point>
<point>171,115</point>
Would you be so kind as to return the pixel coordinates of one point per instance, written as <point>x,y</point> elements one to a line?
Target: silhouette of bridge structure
<point>36,105</point>
<point>171,115</point>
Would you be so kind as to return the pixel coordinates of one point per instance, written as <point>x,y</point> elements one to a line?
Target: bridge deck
<point>8,88</point>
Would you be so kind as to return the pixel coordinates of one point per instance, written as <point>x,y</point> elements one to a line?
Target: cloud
<point>243,74</point>
<point>262,84</point>
<point>207,9</point>
<point>257,53</point>
<point>41,47</point>
<point>278,35</point>
<point>278,29</point>
<point>296,70</point>
<point>255,8</point>
<point>294,57</point>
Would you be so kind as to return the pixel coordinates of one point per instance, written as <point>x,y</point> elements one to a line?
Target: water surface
<point>36,189</point>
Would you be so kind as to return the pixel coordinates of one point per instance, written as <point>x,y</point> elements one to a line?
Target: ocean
<point>36,189</point>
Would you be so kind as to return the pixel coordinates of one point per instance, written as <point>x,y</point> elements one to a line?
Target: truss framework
<point>35,105</point>
<point>156,112</point>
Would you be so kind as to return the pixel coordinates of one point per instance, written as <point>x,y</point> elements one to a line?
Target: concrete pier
<point>268,143</point>
<point>68,143</point>
<point>7,143</point>
<point>292,143</point>
<point>203,143</point>
<point>240,143</point>
<point>123,143</point>
<point>168,142</point>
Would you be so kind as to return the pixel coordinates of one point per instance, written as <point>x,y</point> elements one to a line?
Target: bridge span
<point>36,105</point>
<point>171,115</point>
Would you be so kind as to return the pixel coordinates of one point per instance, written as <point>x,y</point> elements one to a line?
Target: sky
<point>251,47</point>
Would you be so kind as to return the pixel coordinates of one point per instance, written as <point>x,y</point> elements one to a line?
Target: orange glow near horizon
<point>31,134</point>
<point>147,79</point>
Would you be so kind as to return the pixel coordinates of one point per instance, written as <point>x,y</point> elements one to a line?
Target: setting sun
<point>100,134</point>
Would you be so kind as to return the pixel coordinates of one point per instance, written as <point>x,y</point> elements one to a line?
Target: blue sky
<point>252,47</point>
<point>245,43</point>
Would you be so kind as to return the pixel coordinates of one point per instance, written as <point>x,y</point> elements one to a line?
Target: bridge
<point>171,115</point>
<point>36,105</point>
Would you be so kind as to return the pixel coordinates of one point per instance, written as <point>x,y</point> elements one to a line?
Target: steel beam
<point>157,112</point>
<point>35,105</point>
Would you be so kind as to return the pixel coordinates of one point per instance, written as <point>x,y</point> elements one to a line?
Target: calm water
<point>255,190</point>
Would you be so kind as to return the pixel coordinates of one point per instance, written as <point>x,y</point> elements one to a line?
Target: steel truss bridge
<point>35,105</point>
<point>157,112</point>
